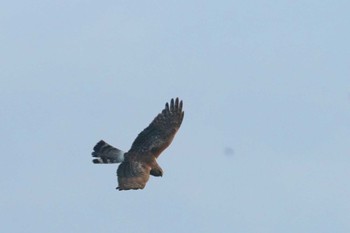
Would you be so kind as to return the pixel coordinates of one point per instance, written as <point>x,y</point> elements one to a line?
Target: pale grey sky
<point>268,79</point>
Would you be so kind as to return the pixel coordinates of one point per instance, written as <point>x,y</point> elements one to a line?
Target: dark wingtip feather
<point>176,103</point>
<point>180,106</point>
<point>172,107</point>
<point>96,161</point>
<point>99,145</point>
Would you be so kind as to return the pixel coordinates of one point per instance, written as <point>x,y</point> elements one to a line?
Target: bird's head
<point>156,172</point>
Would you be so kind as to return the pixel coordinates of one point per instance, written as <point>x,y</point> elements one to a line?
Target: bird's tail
<point>105,153</point>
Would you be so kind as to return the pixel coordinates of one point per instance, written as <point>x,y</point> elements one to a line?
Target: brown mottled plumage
<point>140,161</point>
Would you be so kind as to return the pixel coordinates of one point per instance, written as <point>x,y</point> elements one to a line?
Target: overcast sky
<point>264,145</point>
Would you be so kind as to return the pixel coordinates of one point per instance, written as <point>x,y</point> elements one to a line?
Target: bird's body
<point>141,160</point>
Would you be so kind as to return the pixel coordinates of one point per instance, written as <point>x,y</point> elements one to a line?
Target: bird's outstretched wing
<point>160,133</point>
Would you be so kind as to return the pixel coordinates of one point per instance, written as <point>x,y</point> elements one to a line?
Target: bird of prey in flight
<point>141,160</point>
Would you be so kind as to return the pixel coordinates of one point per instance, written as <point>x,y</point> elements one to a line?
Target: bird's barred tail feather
<point>105,153</point>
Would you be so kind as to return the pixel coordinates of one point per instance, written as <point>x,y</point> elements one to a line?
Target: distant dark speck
<point>229,151</point>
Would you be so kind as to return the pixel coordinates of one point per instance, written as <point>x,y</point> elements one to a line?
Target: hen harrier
<point>141,160</point>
